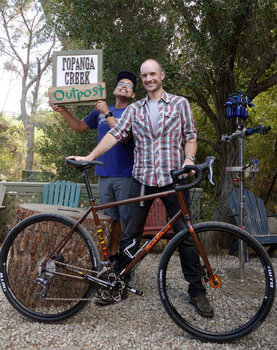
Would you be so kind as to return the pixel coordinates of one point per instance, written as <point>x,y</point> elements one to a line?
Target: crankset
<point>115,294</point>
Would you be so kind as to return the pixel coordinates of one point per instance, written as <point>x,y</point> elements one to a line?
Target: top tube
<point>175,174</point>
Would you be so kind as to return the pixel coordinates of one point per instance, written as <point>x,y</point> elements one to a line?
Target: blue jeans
<point>137,216</point>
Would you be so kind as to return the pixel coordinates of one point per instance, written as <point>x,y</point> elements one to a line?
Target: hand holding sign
<point>102,107</point>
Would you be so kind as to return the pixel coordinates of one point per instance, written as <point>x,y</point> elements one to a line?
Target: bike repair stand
<point>237,106</point>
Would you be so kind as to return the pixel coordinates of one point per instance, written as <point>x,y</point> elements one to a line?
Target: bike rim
<point>239,305</point>
<point>27,250</point>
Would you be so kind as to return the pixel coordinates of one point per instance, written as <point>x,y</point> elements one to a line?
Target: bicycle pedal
<point>135,291</point>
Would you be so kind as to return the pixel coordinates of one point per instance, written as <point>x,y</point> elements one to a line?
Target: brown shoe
<point>202,306</point>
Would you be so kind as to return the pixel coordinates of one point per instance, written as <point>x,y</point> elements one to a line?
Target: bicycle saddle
<point>81,165</point>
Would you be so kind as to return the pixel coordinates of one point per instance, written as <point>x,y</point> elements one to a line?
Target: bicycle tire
<point>241,302</point>
<point>25,248</point>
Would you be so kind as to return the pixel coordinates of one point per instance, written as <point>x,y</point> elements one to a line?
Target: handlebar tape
<point>199,169</point>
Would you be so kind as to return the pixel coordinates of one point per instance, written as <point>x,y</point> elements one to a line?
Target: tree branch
<point>42,70</point>
<point>255,88</point>
<point>5,25</point>
<point>201,101</point>
<point>209,142</point>
<point>184,10</point>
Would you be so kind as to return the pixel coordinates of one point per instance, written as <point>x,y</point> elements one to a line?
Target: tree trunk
<point>228,150</point>
<point>228,158</point>
<point>30,146</point>
<point>223,212</point>
<point>29,125</point>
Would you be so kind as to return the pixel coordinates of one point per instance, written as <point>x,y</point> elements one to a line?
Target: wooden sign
<point>77,93</point>
<point>77,77</point>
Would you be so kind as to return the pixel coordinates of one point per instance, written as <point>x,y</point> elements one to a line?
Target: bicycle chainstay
<point>111,289</point>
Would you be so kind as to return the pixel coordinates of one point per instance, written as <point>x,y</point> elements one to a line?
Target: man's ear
<point>162,75</point>
<point>133,95</point>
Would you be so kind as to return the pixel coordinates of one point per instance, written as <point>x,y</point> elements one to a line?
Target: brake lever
<point>210,175</point>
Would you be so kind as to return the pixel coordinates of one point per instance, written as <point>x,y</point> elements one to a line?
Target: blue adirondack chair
<point>255,217</point>
<point>64,193</point>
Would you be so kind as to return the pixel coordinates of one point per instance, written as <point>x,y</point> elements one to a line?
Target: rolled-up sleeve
<point>188,122</point>
<point>123,126</point>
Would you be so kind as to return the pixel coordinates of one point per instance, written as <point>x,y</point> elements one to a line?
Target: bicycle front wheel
<point>37,292</point>
<point>241,299</point>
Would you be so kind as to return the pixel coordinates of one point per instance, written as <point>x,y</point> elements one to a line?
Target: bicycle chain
<point>77,267</point>
<point>72,267</point>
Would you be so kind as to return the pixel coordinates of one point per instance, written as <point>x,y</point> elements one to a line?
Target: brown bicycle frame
<point>183,212</point>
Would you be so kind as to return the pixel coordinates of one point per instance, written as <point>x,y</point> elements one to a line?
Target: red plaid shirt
<point>156,155</point>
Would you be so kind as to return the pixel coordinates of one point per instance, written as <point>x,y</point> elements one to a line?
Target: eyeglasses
<point>122,83</point>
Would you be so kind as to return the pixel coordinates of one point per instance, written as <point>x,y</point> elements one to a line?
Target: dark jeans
<point>137,216</point>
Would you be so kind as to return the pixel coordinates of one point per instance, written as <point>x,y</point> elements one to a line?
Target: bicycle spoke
<point>37,290</point>
<point>238,302</point>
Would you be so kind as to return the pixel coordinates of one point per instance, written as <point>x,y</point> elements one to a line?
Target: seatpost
<point>90,195</point>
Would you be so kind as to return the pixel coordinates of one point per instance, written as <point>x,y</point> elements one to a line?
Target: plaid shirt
<point>156,155</point>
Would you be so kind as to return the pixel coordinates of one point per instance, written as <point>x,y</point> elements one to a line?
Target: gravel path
<point>137,323</point>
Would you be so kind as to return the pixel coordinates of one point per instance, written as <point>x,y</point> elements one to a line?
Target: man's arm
<point>107,142</point>
<point>190,151</point>
<point>110,139</point>
<point>75,123</point>
<point>189,133</point>
<point>104,109</point>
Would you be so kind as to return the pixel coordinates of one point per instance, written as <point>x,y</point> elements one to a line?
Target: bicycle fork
<point>214,279</point>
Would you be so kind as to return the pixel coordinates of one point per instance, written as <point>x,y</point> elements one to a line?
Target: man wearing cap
<point>115,177</point>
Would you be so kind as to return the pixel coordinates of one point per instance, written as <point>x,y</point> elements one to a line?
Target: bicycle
<point>50,267</point>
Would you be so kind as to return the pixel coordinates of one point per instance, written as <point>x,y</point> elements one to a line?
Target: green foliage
<point>60,141</point>
<point>128,32</point>
<point>27,48</point>
<point>12,141</point>
<point>209,49</point>
<point>263,147</point>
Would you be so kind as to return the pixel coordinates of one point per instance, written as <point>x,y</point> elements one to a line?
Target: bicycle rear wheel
<point>42,295</point>
<point>242,300</point>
